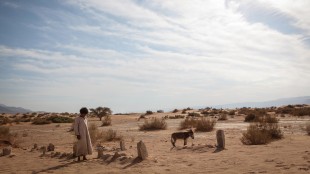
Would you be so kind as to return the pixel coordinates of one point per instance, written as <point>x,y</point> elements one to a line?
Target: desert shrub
<point>154,124</point>
<point>261,132</point>
<point>205,125</point>
<point>4,120</point>
<point>111,135</point>
<point>255,136</point>
<point>98,136</point>
<point>175,111</point>
<point>160,111</point>
<point>17,120</point>
<point>7,135</point>
<point>184,111</point>
<point>39,121</point>
<point>251,118</point>
<point>149,112</point>
<point>106,121</point>
<point>188,123</point>
<point>60,119</point>
<point>222,117</point>
<point>233,112</point>
<point>308,128</point>
<point>294,111</point>
<point>269,119</point>
<point>194,114</point>
<point>93,132</point>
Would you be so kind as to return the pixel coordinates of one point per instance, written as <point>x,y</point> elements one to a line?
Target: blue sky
<point>135,55</point>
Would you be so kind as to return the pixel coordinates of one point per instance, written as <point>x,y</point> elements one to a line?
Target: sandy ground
<point>288,155</point>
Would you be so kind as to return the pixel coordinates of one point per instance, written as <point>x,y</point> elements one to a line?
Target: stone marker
<point>122,145</point>
<point>6,151</point>
<point>43,149</point>
<point>50,147</point>
<point>220,137</point>
<point>142,152</point>
<point>100,151</point>
<point>35,146</point>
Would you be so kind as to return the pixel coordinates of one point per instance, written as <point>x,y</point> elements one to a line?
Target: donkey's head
<point>191,133</point>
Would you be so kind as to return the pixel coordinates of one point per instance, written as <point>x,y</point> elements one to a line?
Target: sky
<point>138,55</point>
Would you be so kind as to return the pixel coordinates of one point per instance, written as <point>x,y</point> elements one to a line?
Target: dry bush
<point>175,111</point>
<point>4,120</point>
<point>254,136</point>
<point>148,112</point>
<point>262,132</point>
<point>194,114</point>
<point>6,135</point>
<point>154,124</point>
<point>205,125</point>
<point>99,136</point>
<point>188,123</point>
<point>107,121</point>
<point>308,128</point>
<point>222,117</point>
<point>60,119</point>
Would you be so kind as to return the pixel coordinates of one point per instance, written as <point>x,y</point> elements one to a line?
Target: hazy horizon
<point>132,55</point>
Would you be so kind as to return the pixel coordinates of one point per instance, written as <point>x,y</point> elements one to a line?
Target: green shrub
<point>106,121</point>
<point>154,124</point>
<point>60,119</point>
<point>39,121</point>
<point>205,125</point>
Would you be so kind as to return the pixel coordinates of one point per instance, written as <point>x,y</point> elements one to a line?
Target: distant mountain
<point>12,110</point>
<point>278,102</point>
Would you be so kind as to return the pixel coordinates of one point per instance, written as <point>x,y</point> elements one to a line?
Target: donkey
<point>181,135</point>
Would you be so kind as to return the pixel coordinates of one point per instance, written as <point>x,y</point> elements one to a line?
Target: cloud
<point>133,54</point>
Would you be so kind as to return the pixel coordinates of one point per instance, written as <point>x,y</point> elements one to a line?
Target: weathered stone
<point>122,145</point>
<point>142,152</point>
<point>220,137</point>
<point>116,155</point>
<point>35,146</point>
<point>100,151</point>
<point>50,147</point>
<point>6,151</point>
<point>43,149</point>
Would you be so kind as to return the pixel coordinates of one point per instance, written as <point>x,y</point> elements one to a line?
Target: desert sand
<point>288,155</point>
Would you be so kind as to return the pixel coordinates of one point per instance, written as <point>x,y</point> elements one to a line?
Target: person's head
<point>83,111</point>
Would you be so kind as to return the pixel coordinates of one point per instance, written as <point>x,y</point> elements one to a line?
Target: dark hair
<point>84,110</point>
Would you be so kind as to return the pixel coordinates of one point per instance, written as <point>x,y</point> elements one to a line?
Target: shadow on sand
<point>135,161</point>
<point>55,167</point>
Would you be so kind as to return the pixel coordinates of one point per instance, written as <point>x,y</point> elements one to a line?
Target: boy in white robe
<point>84,145</point>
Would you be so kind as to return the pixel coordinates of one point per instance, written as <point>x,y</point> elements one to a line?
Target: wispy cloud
<point>158,54</point>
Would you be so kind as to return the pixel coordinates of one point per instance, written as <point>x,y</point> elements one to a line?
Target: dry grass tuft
<point>98,136</point>
<point>107,121</point>
<point>262,132</point>
<point>6,135</point>
<point>154,124</point>
<point>205,125</point>
<point>222,117</point>
<point>188,123</point>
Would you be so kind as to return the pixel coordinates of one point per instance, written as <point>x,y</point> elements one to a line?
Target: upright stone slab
<point>6,151</point>
<point>35,146</point>
<point>100,151</point>
<point>43,149</point>
<point>220,137</point>
<point>122,145</point>
<point>50,147</point>
<point>142,152</point>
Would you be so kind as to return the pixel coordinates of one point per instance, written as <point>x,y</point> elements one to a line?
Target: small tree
<point>101,112</point>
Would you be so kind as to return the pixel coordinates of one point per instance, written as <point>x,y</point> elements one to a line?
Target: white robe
<point>84,146</point>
